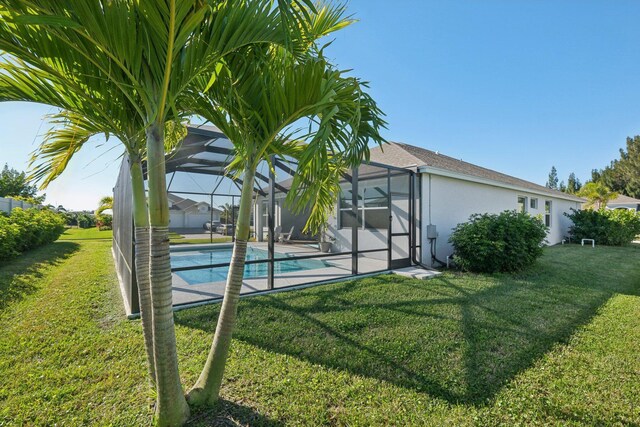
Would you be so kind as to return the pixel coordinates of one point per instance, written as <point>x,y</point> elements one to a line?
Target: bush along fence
<point>25,229</point>
<point>505,242</point>
<point>616,227</point>
<point>8,204</point>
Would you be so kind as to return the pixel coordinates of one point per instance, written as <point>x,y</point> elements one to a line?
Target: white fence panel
<point>8,204</point>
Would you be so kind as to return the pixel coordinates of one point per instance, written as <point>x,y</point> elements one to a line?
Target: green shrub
<point>26,229</point>
<point>616,227</point>
<point>509,241</point>
<point>9,234</point>
<point>85,220</point>
<point>104,222</point>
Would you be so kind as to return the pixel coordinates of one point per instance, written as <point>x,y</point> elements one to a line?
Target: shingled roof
<point>182,204</point>
<point>623,200</point>
<point>409,156</point>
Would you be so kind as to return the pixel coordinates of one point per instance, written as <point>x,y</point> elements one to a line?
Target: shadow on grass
<point>460,337</point>
<point>227,413</point>
<point>18,276</point>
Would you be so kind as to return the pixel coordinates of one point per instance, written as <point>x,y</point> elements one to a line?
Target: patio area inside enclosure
<point>374,227</point>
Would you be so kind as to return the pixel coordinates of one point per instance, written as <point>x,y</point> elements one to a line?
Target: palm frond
<point>259,100</point>
<point>60,144</point>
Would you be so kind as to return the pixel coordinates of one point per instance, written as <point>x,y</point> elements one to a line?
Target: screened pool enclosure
<point>374,227</point>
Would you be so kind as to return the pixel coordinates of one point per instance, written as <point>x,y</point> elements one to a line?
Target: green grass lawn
<point>86,234</point>
<point>554,345</point>
<point>94,233</point>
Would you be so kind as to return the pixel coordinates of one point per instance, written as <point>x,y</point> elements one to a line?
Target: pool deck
<point>339,267</point>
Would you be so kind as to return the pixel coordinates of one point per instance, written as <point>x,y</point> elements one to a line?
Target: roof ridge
<point>468,168</point>
<point>401,146</point>
<point>438,153</point>
<point>624,197</point>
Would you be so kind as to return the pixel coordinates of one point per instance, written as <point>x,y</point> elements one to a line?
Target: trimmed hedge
<point>616,227</point>
<point>505,242</point>
<point>23,230</point>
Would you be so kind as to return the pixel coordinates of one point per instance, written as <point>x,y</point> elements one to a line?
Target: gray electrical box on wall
<point>431,232</point>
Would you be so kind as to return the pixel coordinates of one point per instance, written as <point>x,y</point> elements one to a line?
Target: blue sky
<point>512,85</point>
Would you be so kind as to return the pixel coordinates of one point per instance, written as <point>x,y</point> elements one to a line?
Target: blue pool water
<point>223,254</point>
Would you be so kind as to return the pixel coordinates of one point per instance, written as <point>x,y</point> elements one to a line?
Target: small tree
<point>15,184</point>
<point>622,174</point>
<point>597,194</point>
<point>228,213</point>
<point>85,220</point>
<point>274,94</point>
<point>105,203</point>
<point>552,182</point>
<point>104,221</point>
<point>573,184</point>
<point>151,57</point>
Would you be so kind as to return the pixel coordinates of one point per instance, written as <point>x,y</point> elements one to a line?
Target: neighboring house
<point>624,202</point>
<point>447,192</point>
<point>187,213</point>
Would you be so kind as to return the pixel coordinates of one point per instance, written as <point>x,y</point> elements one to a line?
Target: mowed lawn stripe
<point>68,355</point>
<point>552,345</point>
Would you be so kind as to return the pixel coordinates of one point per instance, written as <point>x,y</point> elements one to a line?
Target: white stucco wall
<point>377,239</point>
<point>367,240</point>
<point>449,201</point>
<point>629,206</point>
<point>260,218</point>
<point>446,202</point>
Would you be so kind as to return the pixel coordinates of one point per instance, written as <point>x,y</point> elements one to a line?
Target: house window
<point>373,206</point>
<point>547,213</point>
<point>533,203</point>
<point>522,204</point>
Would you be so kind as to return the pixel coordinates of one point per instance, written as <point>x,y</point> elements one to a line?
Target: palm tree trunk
<point>141,223</point>
<point>171,405</point>
<point>207,388</point>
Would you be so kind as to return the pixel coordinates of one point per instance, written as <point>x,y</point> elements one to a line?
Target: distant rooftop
<point>624,200</point>
<point>182,204</point>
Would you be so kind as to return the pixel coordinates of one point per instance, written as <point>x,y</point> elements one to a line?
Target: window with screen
<point>522,204</point>
<point>547,213</point>
<point>373,205</point>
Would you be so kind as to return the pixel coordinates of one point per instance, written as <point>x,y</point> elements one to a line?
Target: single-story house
<point>395,211</point>
<point>187,213</point>
<point>624,202</point>
<point>452,190</point>
<point>445,192</point>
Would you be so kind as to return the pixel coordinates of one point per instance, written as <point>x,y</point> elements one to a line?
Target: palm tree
<point>228,213</point>
<point>274,90</point>
<point>104,204</point>
<point>597,194</point>
<point>82,119</point>
<point>145,55</point>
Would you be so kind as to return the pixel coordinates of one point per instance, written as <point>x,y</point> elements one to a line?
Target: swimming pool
<point>221,255</point>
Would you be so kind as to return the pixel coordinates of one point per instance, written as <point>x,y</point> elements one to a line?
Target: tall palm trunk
<point>171,405</point>
<point>207,388</point>
<point>141,223</point>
